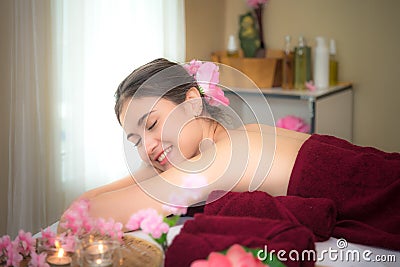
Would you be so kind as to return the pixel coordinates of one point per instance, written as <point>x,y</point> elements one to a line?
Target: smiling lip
<point>162,157</point>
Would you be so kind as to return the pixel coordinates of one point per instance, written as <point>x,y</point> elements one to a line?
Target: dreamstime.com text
<point>339,254</point>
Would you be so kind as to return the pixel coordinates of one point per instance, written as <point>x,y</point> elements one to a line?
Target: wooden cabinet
<point>327,111</point>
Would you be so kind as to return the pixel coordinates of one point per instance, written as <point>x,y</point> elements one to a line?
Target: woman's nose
<point>151,144</point>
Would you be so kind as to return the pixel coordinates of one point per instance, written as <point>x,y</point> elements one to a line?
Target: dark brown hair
<point>161,78</point>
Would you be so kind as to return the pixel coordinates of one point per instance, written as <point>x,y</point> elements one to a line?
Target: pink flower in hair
<point>192,67</point>
<point>207,77</point>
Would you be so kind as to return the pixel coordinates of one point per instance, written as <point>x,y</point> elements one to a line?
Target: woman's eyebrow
<point>140,121</point>
<point>129,136</point>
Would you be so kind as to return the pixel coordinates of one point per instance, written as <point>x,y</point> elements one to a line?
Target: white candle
<point>99,255</point>
<point>60,259</point>
<point>97,249</point>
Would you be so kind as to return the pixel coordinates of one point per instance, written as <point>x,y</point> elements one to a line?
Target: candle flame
<point>60,253</point>
<point>57,244</point>
<point>98,261</point>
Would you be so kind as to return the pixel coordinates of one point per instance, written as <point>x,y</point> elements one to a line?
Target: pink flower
<point>179,203</point>
<point>175,210</point>
<point>48,237</point>
<point>25,243</point>
<point>13,256</point>
<point>136,218</point>
<point>236,256</point>
<point>310,86</point>
<point>256,3</point>
<point>77,218</point>
<point>293,123</point>
<point>192,67</point>
<point>149,221</point>
<point>154,225</point>
<point>214,259</point>
<point>67,242</point>
<point>110,228</point>
<point>38,260</point>
<point>5,242</point>
<point>239,257</point>
<point>207,77</point>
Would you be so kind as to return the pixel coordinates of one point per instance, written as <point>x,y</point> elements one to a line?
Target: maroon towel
<point>317,214</point>
<point>205,234</point>
<point>363,182</point>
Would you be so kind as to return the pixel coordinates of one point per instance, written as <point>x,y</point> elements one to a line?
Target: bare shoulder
<point>280,132</point>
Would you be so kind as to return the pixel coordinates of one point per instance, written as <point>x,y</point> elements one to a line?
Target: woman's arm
<point>144,172</point>
<point>233,163</point>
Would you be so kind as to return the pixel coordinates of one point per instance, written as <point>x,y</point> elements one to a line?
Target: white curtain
<point>101,42</point>
<point>68,59</point>
<point>34,185</point>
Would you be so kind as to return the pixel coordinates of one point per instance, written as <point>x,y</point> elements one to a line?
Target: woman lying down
<point>175,117</point>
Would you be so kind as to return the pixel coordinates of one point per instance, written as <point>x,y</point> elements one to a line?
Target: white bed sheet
<point>328,253</point>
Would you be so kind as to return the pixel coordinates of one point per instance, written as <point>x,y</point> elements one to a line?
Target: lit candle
<point>97,249</point>
<point>99,255</point>
<point>60,259</point>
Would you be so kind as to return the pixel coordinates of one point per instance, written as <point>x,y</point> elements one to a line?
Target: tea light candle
<point>60,259</point>
<point>97,249</point>
<point>99,255</point>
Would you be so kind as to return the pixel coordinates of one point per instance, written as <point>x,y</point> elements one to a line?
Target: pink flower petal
<point>218,260</point>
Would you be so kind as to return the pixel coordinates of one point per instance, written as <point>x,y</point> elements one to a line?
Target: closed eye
<point>152,126</point>
<point>138,142</point>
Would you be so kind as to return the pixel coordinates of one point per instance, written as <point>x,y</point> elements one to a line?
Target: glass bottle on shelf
<point>321,63</point>
<point>288,65</point>
<point>232,50</point>
<point>302,64</point>
<point>333,64</point>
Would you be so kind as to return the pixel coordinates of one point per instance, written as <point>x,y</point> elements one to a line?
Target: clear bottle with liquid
<point>302,64</point>
<point>333,64</point>
<point>232,50</point>
<point>288,65</point>
<point>321,64</point>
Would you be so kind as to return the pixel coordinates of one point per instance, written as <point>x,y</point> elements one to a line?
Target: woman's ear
<point>193,97</point>
<point>193,92</point>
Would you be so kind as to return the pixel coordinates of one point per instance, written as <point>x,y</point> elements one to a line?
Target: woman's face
<point>164,133</point>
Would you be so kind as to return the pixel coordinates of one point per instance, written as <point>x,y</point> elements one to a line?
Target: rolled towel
<point>317,214</point>
<point>363,182</point>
